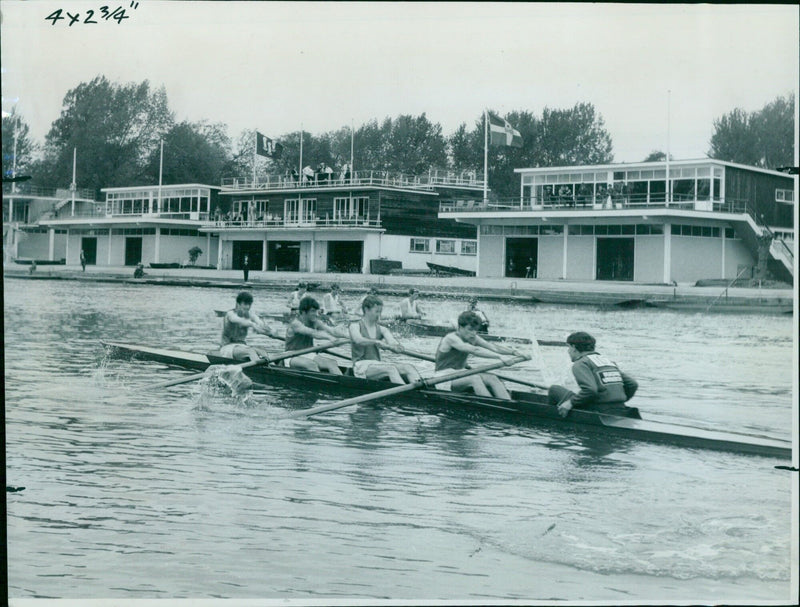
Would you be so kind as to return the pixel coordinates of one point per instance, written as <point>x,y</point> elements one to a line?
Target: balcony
<point>583,204</point>
<point>434,178</point>
<point>293,223</point>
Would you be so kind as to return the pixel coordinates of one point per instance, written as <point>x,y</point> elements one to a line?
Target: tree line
<point>118,128</point>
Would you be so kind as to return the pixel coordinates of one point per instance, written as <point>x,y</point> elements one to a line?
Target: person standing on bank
<point>301,332</point>
<point>603,387</point>
<point>367,337</point>
<point>83,261</point>
<point>246,267</point>
<point>455,348</point>
<point>235,325</point>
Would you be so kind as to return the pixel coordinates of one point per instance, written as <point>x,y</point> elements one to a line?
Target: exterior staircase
<point>772,254</point>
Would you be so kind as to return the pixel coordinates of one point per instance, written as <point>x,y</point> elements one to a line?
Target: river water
<point>193,492</point>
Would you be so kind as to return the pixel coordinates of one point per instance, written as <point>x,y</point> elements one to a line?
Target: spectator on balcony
<point>320,172</point>
<point>565,196</point>
<point>344,176</point>
<point>308,174</point>
<point>328,174</point>
<point>584,195</point>
<point>294,176</point>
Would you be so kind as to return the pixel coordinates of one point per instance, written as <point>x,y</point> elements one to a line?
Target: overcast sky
<point>275,66</point>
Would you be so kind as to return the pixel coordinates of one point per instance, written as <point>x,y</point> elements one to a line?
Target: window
<point>446,246</point>
<point>348,208</point>
<point>420,245</point>
<point>469,247</point>
<point>784,195</point>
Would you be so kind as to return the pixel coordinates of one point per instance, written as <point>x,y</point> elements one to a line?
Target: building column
<point>109,247</point>
<point>157,251</point>
<point>66,251</point>
<point>264,254</point>
<point>208,248</point>
<point>722,234</point>
<point>564,255</point>
<point>311,254</point>
<point>667,253</point>
<point>52,244</point>
<point>219,252</point>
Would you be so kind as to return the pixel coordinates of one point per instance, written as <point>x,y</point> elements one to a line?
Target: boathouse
<point>628,222</point>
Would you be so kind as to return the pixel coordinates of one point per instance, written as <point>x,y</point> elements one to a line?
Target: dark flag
<point>267,147</point>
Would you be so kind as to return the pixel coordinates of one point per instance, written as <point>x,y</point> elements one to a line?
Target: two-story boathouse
<point>627,222</point>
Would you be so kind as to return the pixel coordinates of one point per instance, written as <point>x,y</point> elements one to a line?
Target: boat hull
<point>525,406</point>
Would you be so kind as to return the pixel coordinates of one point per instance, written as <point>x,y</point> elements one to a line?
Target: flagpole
<point>485,156</point>
<point>300,174</point>
<point>160,173</point>
<point>669,189</point>
<point>255,147</point>
<point>73,185</point>
<point>352,146</point>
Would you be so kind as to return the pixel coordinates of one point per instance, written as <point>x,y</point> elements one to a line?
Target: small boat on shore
<point>527,406</point>
<point>425,327</point>
<point>722,308</point>
<point>41,262</point>
<point>164,266</point>
<point>439,269</point>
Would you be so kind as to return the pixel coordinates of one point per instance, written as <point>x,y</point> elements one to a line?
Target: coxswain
<point>602,386</point>
<point>409,307</point>
<point>454,349</point>
<point>235,325</point>
<point>367,338</point>
<point>302,331</point>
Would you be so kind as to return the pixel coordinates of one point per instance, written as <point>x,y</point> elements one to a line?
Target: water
<point>192,492</point>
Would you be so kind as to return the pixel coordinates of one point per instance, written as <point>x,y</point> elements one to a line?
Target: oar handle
<point>424,383</point>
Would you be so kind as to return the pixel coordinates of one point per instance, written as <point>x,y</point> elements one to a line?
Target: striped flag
<point>502,133</point>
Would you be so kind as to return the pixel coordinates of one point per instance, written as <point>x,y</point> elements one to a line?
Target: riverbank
<point>716,298</point>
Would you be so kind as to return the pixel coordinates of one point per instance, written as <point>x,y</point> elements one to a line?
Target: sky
<point>659,75</point>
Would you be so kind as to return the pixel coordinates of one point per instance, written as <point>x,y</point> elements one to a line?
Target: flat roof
<point>171,186</point>
<point>652,164</point>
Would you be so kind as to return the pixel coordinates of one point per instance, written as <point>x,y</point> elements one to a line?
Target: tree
<point>764,138</point>
<point>413,145</point>
<point>14,126</point>
<point>193,153</point>
<point>194,253</point>
<point>114,128</point>
<point>560,137</point>
<point>657,156</point>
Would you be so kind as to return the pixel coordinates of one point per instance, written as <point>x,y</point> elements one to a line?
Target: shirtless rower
<point>302,331</point>
<point>235,325</point>
<point>367,338</point>
<point>455,348</point>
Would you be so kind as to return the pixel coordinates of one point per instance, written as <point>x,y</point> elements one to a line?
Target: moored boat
<point>529,406</point>
<point>425,327</point>
<point>449,270</point>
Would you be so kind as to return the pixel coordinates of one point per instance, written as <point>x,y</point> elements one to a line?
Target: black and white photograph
<point>400,303</point>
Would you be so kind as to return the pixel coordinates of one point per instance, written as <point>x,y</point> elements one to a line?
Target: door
<point>89,248</point>
<point>615,259</point>
<point>133,250</point>
<point>283,256</point>
<point>522,256</point>
<point>345,256</point>
<point>253,249</point>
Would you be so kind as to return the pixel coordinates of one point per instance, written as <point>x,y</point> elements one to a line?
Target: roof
<point>656,164</point>
<point>171,186</point>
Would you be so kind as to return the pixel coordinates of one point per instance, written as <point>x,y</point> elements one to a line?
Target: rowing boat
<point>526,405</point>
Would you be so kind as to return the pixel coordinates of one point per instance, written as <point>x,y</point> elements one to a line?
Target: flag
<point>267,147</point>
<point>502,133</point>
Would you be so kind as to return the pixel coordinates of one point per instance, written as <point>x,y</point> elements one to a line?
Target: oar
<point>423,383</point>
<point>522,382</point>
<point>261,361</point>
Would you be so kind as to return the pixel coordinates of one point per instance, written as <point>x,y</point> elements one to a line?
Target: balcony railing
<point>358,179</point>
<point>24,189</point>
<point>290,223</point>
<point>728,205</point>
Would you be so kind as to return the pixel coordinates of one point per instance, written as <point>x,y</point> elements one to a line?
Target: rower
<point>372,292</point>
<point>296,296</point>
<point>455,347</point>
<point>603,387</point>
<point>367,337</point>
<point>331,304</point>
<point>235,325</point>
<point>301,332</point>
<point>473,307</point>
<point>409,307</point>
